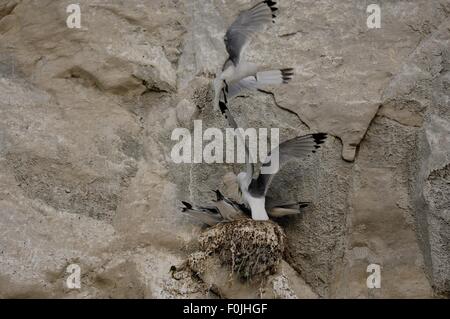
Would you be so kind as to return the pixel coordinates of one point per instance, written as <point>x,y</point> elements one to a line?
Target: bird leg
<point>225,91</point>
<point>226,86</point>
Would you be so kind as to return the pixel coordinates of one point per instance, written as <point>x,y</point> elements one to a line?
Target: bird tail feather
<point>288,209</point>
<point>274,77</point>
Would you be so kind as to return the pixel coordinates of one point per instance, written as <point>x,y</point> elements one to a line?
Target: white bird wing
<point>260,81</point>
<point>208,215</point>
<point>295,148</point>
<point>246,24</point>
<point>229,209</point>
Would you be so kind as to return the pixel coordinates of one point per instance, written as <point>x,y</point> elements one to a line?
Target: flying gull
<point>237,74</point>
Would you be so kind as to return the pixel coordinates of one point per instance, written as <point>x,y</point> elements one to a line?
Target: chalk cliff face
<point>86,118</point>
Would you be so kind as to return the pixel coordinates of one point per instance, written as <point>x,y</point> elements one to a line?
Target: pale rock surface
<point>86,117</point>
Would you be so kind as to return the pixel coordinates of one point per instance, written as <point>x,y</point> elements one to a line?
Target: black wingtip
<point>271,4</point>
<point>223,107</point>
<point>287,74</point>
<point>219,195</point>
<point>187,205</point>
<point>319,138</point>
<point>287,71</point>
<point>273,9</point>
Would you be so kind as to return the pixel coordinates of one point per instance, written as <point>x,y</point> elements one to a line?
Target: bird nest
<point>248,248</point>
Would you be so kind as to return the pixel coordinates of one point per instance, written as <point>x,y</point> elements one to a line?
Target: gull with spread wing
<point>237,74</point>
<point>254,189</point>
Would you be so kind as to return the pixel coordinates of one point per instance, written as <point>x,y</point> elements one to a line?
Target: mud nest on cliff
<point>250,249</point>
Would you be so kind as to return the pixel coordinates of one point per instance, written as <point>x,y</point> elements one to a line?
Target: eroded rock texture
<point>86,117</point>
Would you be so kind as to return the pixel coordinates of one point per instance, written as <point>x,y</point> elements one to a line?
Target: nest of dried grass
<point>249,248</point>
